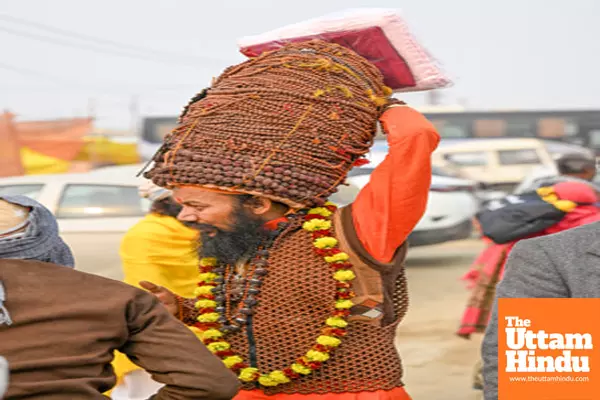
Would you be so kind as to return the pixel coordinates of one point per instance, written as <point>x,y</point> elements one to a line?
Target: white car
<point>451,207</point>
<point>94,210</point>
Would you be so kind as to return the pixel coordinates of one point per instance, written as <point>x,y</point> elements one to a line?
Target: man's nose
<point>187,214</point>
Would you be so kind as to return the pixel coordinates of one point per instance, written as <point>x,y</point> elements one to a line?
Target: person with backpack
<point>559,266</point>
<point>546,211</point>
<point>569,168</point>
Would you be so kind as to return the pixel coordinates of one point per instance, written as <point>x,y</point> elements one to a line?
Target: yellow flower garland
<point>319,222</point>
<point>549,196</point>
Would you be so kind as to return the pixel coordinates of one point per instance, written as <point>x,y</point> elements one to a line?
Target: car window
<point>32,190</point>
<point>458,128</point>
<point>101,201</point>
<point>467,159</point>
<point>594,136</point>
<point>438,171</point>
<point>518,157</point>
<point>360,171</point>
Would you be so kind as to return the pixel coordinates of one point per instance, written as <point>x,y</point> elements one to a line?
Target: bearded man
<point>298,298</point>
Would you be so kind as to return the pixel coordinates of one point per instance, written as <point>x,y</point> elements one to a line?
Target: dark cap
<point>575,164</point>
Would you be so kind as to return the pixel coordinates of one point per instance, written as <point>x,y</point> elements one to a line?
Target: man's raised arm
<point>389,207</point>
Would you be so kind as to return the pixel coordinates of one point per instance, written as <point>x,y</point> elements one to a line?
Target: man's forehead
<point>184,194</point>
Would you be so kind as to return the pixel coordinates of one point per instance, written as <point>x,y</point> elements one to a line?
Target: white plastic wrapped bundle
<point>380,35</point>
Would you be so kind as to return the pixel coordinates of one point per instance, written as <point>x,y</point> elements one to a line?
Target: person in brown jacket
<point>59,327</point>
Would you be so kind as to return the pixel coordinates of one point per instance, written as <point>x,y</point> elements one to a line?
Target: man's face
<point>590,174</point>
<point>229,231</point>
<point>206,209</point>
<point>587,174</point>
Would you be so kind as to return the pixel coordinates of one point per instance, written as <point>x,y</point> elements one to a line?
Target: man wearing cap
<point>59,327</point>
<point>300,299</point>
<point>569,168</point>
<point>165,251</point>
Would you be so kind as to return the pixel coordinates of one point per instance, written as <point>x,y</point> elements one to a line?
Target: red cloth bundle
<point>379,35</point>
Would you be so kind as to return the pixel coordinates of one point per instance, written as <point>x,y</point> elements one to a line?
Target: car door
<point>93,219</point>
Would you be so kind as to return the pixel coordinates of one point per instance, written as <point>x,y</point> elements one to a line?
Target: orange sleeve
<point>389,207</point>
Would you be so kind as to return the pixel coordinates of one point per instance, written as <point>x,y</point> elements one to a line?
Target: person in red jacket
<point>488,269</point>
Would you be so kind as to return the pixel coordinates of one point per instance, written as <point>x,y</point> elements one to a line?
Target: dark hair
<point>168,207</point>
<point>575,164</point>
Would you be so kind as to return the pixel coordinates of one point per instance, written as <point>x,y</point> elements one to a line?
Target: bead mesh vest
<point>298,296</point>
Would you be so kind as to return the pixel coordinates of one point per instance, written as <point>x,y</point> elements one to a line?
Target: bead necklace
<point>225,292</point>
<point>216,319</point>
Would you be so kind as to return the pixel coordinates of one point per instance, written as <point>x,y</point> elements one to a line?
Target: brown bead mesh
<point>291,313</point>
<point>287,125</point>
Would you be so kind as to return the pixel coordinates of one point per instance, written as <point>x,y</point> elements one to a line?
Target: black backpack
<point>517,216</point>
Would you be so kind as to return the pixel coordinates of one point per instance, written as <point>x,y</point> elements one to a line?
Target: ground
<point>438,364</point>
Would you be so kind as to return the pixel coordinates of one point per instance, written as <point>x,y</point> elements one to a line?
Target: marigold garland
<point>318,222</point>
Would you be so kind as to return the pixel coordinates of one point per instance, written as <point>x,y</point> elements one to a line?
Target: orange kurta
<point>389,207</point>
<point>395,394</point>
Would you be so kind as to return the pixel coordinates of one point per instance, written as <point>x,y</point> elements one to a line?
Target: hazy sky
<point>501,54</point>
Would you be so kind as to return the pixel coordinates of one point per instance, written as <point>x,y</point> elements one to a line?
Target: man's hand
<point>166,297</point>
<point>384,119</point>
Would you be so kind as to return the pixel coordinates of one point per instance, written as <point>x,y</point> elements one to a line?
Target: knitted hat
<point>13,217</point>
<point>287,125</point>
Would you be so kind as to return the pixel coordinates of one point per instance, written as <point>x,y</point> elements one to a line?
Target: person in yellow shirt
<point>163,250</point>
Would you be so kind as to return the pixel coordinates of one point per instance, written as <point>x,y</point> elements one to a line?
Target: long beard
<point>231,246</point>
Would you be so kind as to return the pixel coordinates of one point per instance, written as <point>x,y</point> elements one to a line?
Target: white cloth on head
<point>152,192</point>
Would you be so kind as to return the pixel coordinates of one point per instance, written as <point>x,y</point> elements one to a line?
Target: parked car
<point>93,210</point>
<point>499,163</point>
